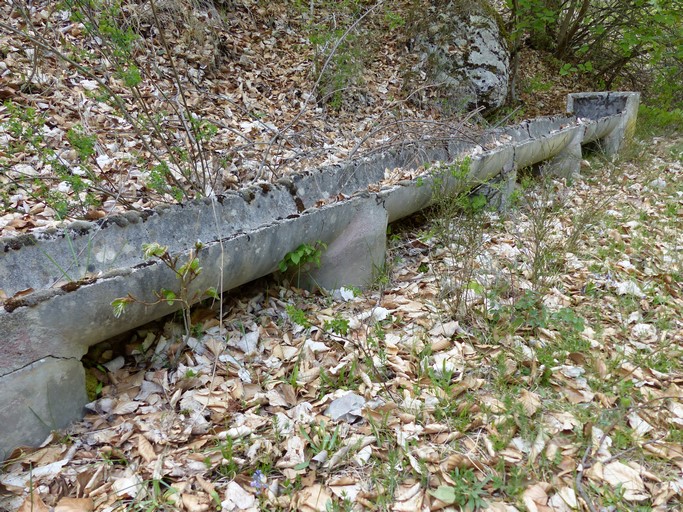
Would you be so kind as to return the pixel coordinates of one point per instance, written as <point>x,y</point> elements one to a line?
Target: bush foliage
<point>627,44</point>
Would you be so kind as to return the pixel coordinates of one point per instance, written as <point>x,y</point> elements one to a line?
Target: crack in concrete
<point>44,358</point>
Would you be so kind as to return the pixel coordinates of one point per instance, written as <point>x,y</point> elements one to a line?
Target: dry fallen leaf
<point>312,499</point>
<point>33,503</point>
<point>530,401</point>
<point>629,479</point>
<point>75,505</point>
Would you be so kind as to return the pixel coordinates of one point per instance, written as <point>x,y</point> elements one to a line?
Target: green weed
<point>467,492</point>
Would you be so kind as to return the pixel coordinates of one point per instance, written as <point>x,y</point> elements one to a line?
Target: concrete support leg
<point>499,190</point>
<point>567,163</point>
<point>623,134</point>
<point>44,396</point>
<point>356,251</point>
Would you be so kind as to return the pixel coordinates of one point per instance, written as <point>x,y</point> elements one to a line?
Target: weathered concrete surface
<point>538,149</point>
<point>46,395</point>
<point>599,128</point>
<point>245,235</point>
<point>604,104</point>
<point>65,323</point>
<point>498,191</point>
<point>87,249</point>
<point>567,162</point>
<point>356,249</point>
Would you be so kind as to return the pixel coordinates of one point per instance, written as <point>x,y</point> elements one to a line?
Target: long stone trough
<point>61,282</point>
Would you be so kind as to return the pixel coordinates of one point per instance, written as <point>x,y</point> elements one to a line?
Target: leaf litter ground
<point>553,390</point>
<point>246,77</point>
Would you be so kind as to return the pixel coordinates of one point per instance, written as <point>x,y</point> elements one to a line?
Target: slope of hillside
<point>102,111</point>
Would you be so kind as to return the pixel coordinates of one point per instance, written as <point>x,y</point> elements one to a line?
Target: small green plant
<point>345,505</point>
<point>186,273</point>
<point>393,20</point>
<point>511,481</point>
<point>346,378</point>
<point>572,69</point>
<point>530,312</point>
<point>338,325</point>
<point>73,190</point>
<point>320,440</point>
<point>537,84</point>
<point>338,63</point>
<point>466,493</point>
<point>567,321</point>
<point>229,467</point>
<point>298,316</point>
<point>302,259</point>
<point>458,228</point>
<point>159,495</point>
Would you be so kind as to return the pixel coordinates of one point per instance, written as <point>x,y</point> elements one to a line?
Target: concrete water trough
<point>61,282</point>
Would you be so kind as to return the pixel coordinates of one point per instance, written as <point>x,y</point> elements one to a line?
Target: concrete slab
<point>407,198</point>
<point>485,166</point>
<point>539,149</point>
<point>599,128</point>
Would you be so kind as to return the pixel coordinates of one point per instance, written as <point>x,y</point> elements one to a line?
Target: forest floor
<point>549,379</point>
<point>522,360</point>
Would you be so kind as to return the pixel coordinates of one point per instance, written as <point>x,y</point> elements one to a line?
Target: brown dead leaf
<point>409,497</point>
<point>312,499</point>
<point>535,498</point>
<point>530,401</point>
<point>33,503</point>
<point>75,505</point>
<point>456,461</point>
<point>146,449</point>
<point>629,479</point>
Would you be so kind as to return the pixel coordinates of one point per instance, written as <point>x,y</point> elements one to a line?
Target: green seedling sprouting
<point>302,258</point>
<point>185,274</point>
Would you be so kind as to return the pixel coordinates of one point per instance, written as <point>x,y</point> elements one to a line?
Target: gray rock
<point>464,57</point>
